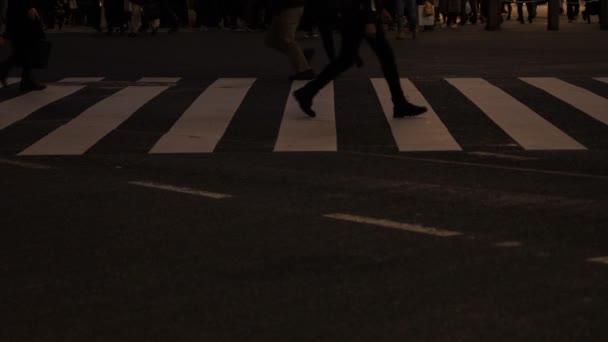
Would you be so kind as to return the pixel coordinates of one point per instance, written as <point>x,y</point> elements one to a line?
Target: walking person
<point>282,36</point>
<point>410,9</point>
<point>23,30</point>
<point>361,20</point>
<point>136,10</point>
<point>530,7</point>
<point>573,7</point>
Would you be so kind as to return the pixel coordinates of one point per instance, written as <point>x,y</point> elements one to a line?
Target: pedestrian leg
<point>282,37</point>
<point>352,34</point>
<point>135,22</point>
<point>386,56</point>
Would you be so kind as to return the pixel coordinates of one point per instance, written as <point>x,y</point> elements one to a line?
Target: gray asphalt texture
<point>87,256</point>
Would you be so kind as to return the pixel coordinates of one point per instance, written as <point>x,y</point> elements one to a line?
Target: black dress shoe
<point>303,76</point>
<point>304,99</point>
<point>408,109</point>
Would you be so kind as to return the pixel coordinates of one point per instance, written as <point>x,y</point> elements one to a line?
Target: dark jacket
<point>19,27</point>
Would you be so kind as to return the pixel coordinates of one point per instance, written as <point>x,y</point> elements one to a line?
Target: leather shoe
<point>304,99</point>
<point>408,109</point>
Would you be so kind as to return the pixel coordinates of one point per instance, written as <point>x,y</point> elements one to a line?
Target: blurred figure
<point>23,29</point>
<point>410,9</point>
<point>282,36</point>
<point>530,7</point>
<point>451,10</point>
<point>572,9</point>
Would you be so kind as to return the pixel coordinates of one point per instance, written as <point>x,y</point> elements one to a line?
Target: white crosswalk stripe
<point>81,80</point>
<point>159,80</point>
<point>422,133</point>
<point>602,79</point>
<point>579,98</point>
<point>202,125</point>
<point>529,129</point>
<point>12,80</point>
<point>83,132</point>
<point>300,133</point>
<point>22,106</point>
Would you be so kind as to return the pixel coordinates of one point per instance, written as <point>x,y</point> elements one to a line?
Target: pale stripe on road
<point>526,127</point>
<point>500,156</point>
<point>413,228</point>
<point>425,132</point>
<point>20,107</point>
<point>602,79</point>
<point>24,164</point>
<point>203,124</point>
<point>600,260</point>
<point>12,80</point>
<point>80,134</point>
<point>81,80</point>
<point>188,191</point>
<point>582,99</point>
<point>301,133</point>
<point>159,80</point>
<point>508,244</point>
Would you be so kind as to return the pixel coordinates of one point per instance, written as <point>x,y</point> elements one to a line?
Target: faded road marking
<point>487,166</point>
<point>413,228</point>
<point>508,244</point>
<point>500,155</point>
<point>600,260</point>
<point>188,191</point>
<point>24,164</point>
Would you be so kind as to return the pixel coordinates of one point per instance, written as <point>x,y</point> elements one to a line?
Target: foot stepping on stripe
<point>301,133</point>
<point>425,132</point>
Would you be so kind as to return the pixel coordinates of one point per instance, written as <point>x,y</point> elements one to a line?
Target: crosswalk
<point>213,109</point>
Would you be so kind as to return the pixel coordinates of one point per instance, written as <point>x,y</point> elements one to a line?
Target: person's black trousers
<point>353,32</point>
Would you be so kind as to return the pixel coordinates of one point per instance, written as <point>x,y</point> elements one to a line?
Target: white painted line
<point>80,134</point>
<point>602,79</point>
<point>301,133</point>
<point>413,228</point>
<point>487,166</point>
<point>24,164</point>
<point>203,124</point>
<point>159,80</point>
<point>500,156</point>
<point>526,127</point>
<point>12,80</point>
<point>425,132</point>
<point>601,260</point>
<point>20,107</point>
<point>582,99</point>
<point>81,80</point>
<point>508,244</point>
<point>188,191</point>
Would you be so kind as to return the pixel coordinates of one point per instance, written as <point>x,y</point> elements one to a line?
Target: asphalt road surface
<point>167,189</point>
